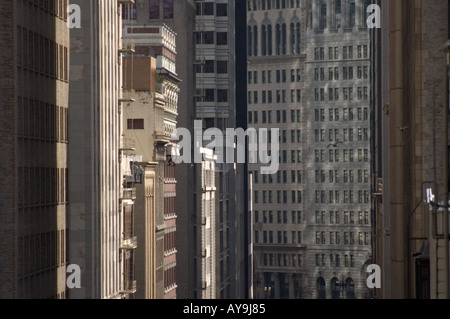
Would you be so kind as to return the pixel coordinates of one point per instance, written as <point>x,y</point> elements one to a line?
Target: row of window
<point>39,54</point>
<point>281,116</point>
<point>283,260</point>
<point>334,217</point>
<point>42,121</point>
<point>281,197</point>
<point>361,52</point>
<point>281,177</point>
<point>283,237</point>
<point>206,8</point>
<point>170,278</point>
<point>280,96</point>
<point>212,95</point>
<point>281,38</point>
<point>334,94</point>
<point>347,114</point>
<point>283,217</point>
<point>254,5</point>
<point>335,261</point>
<point>281,76</point>
<point>42,186</point>
<point>54,7</point>
<point>170,243</point>
<point>362,72</point>
<point>212,66</point>
<point>41,252</point>
<point>161,9</point>
<point>349,238</point>
<point>349,135</point>
<point>349,156</point>
<point>211,37</point>
<point>348,176</point>
<point>348,197</point>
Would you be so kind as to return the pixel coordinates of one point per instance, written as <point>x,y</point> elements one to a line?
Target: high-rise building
<point>309,76</point>
<point>415,192</point>
<point>339,149</point>
<point>150,123</point>
<point>97,208</point>
<point>215,106</point>
<point>207,264</point>
<point>34,76</point>
<point>276,49</point>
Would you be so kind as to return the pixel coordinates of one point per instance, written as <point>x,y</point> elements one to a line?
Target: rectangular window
<point>168,9</point>
<point>222,38</point>
<point>135,124</point>
<point>154,9</point>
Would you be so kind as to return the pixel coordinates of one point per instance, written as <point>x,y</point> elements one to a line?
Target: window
<point>222,95</point>
<point>323,15</point>
<point>135,124</point>
<point>222,38</point>
<point>222,10</point>
<point>222,67</point>
<point>154,9</point>
<point>168,9</point>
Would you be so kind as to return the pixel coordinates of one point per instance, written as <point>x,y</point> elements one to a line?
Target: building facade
<point>417,116</point>
<point>34,68</point>
<point>276,49</point>
<point>309,76</point>
<point>150,124</point>
<point>339,149</point>
<point>95,180</point>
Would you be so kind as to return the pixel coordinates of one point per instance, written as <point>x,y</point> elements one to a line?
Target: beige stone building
<point>34,76</point>
<point>100,205</point>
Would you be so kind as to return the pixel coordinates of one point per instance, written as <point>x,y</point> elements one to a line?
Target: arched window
<point>278,39</point>
<point>255,40</point>
<point>335,288</point>
<point>321,288</point>
<point>269,40</point>
<point>283,39</point>
<point>350,289</point>
<point>263,40</point>
<point>323,15</point>
<point>249,41</point>
<point>295,37</point>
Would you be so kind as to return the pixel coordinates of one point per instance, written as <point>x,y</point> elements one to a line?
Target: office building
<point>34,85</point>
<point>99,202</point>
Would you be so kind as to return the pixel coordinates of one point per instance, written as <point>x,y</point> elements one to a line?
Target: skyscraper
<point>339,149</point>
<point>34,75</point>
<point>97,208</point>
<point>276,49</point>
<point>416,190</point>
<point>309,76</point>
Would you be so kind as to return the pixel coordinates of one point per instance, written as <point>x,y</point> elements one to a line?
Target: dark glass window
<point>222,10</point>
<point>168,9</point>
<point>222,38</point>
<point>135,124</point>
<point>222,67</point>
<point>154,9</point>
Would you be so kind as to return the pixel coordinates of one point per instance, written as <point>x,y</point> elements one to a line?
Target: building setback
<point>34,75</point>
<point>97,207</point>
